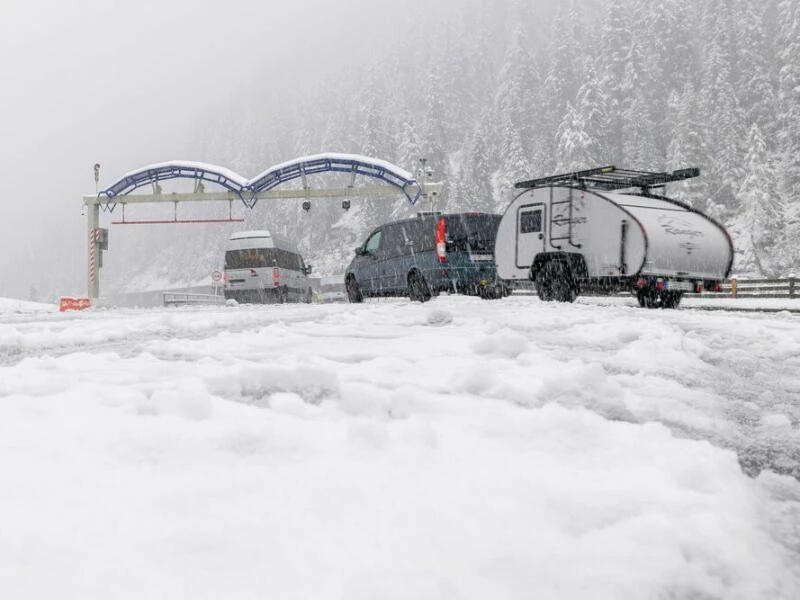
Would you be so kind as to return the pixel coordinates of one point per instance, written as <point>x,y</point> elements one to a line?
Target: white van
<point>261,267</point>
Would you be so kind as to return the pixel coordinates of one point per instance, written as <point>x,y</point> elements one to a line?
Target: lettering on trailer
<point>678,226</point>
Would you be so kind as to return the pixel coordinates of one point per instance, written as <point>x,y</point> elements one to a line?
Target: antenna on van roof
<point>610,178</point>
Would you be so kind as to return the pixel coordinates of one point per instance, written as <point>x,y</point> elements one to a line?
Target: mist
<point>131,84</point>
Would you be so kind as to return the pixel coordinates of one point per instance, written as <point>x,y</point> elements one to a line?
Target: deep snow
<point>457,449</point>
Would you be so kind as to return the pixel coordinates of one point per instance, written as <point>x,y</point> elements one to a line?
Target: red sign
<point>66,304</point>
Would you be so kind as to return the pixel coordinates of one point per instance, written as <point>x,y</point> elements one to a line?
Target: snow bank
<point>12,306</point>
<point>458,449</point>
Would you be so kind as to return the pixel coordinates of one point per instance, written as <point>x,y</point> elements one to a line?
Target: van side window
<point>530,221</point>
<point>394,241</point>
<point>422,233</point>
<point>373,243</point>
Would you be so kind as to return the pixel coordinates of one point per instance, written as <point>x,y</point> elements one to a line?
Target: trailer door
<point>530,233</point>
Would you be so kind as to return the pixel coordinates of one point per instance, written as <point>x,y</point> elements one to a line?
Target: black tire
<point>554,282</point>
<point>283,295</point>
<point>670,299</point>
<point>308,297</point>
<point>353,291</point>
<point>544,288</point>
<point>494,292</point>
<point>654,299</point>
<point>648,299</point>
<point>418,290</point>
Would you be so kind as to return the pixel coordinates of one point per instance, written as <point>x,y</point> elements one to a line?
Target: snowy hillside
<point>457,449</point>
<point>498,92</point>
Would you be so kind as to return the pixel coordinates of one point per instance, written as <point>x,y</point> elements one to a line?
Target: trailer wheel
<point>671,299</point>
<point>653,299</point>
<point>554,282</point>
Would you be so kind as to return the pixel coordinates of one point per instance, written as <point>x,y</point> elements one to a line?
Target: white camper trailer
<point>605,230</point>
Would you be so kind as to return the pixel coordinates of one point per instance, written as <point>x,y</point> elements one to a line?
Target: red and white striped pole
<point>93,236</point>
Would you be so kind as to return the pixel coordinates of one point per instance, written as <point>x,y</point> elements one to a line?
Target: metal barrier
<point>183,299</point>
<point>758,288</point>
<point>788,287</point>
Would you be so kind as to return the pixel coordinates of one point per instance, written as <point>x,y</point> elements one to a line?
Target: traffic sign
<point>216,276</point>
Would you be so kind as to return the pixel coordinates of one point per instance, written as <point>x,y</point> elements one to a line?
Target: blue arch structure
<point>151,174</point>
<point>340,163</point>
<point>247,190</point>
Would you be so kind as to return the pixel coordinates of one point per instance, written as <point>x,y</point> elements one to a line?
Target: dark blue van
<point>425,255</point>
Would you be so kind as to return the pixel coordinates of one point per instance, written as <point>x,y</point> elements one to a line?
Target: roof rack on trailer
<point>610,178</point>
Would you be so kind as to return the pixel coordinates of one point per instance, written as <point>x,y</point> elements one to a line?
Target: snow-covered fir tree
<point>499,91</point>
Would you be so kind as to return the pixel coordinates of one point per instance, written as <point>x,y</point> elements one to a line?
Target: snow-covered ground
<point>9,306</point>
<point>456,449</point>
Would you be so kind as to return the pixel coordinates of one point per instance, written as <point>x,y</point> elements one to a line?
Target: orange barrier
<point>74,304</point>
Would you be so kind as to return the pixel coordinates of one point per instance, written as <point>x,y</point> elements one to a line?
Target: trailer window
<point>530,221</point>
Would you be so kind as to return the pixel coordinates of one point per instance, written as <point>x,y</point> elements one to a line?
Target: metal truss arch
<point>354,164</point>
<point>152,174</point>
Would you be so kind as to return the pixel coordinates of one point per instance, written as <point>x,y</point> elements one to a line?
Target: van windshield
<point>255,258</point>
<point>472,233</point>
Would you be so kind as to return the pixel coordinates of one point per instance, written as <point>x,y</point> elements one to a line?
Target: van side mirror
<point>307,269</point>
<point>360,251</point>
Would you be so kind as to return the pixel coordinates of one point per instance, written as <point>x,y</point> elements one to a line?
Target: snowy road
<point>457,449</point>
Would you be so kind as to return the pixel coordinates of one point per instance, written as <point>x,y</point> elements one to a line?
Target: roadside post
<point>216,277</point>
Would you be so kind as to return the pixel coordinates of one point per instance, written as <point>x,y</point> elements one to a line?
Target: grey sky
<point>127,84</point>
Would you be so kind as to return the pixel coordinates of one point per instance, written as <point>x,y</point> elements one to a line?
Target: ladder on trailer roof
<point>610,178</point>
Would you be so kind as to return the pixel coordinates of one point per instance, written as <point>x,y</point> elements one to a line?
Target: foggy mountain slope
<point>490,95</point>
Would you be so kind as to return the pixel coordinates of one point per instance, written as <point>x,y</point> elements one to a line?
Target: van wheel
<point>418,288</point>
<point>283,296</point>
<point>353,291</point>
<point>554,282</point>
<point>308,297</point>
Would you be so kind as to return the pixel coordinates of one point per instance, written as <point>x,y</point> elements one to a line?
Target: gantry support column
<point>93,241</point>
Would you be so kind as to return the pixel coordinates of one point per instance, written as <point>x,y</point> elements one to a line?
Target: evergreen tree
<point>687,147</point>
<point>762,210</point>
<point>788,136</point>
<point>616,44</point>
<point>725,119</point>
<point>755,92</point>
<point>574,146</point>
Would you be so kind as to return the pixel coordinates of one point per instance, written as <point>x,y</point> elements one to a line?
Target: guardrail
<point>761,288</point>
<point>184,298</point>
<point>788,287</point>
